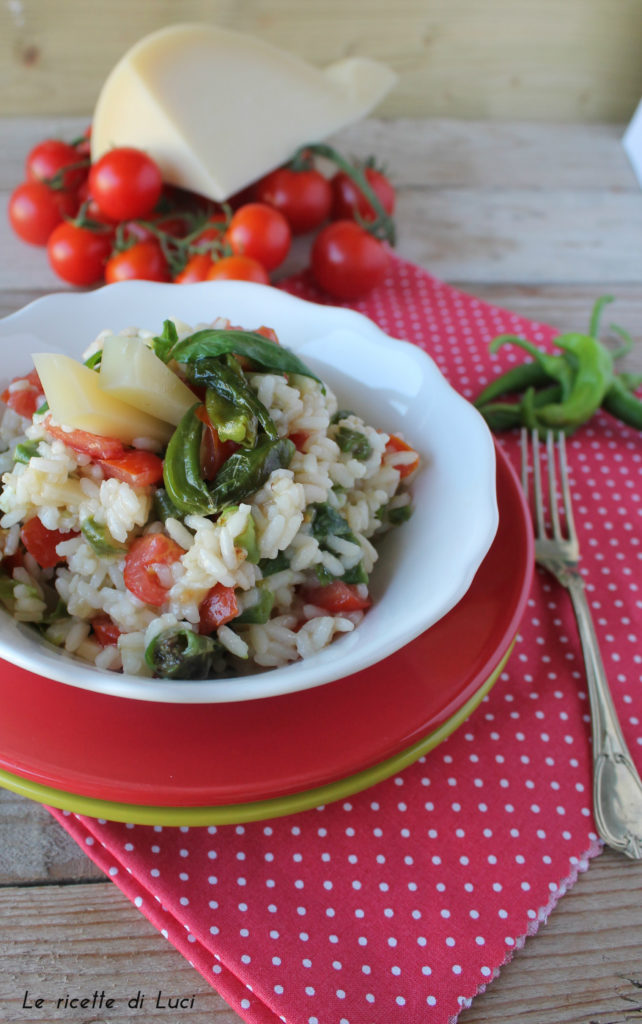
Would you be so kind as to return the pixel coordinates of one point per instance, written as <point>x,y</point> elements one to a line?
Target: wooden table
<point>538,218</point>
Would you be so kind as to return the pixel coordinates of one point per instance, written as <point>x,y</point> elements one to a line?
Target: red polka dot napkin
<point>401,903</point>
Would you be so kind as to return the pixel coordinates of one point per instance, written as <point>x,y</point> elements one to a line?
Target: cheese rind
<point>218,109</point>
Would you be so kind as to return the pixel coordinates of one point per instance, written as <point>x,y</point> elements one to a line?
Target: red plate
<point>170,755</point>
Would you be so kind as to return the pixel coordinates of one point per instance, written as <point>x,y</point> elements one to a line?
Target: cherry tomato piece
<point>140,572</point>
<point>238,268</point>
<point>196,269</point>
<point>126,183</point>
<point>396,444</point>
<point>348,262</point>
<point>107,632</point>
<point>35,210</point>
<point>48,161</point>
<point>337,597</point>
<point>41,543</point>
<point>303,197</point>
<point>136,467</point>
<point>217,607</point>
<point>260,232</point>
<point>86,443</point>
<point>78,255</point>
<point>26,397</point>
<point>214,452</point>
<point>348,200</point>
<point>143,261</point>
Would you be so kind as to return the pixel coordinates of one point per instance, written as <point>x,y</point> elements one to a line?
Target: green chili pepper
<point>555,367</point>
<point>590,382</point>
<point>179,653</point>
<point>184,484</point>
<point>25,451</point>
<point>164,507</point>
<point>100,539</point>
<point>631,381</point>
<point>225,382</point>
<point>230,423</point>
<point>7,587</point>
<point>508,415</point>
<point>248,469</point>
<point>94,361</point>
<point>354,442</point>
<point>517,379</point>
<point>260,612</point>
<point>270,566</point>
<point>328,522</point>
<point>247,537</point>
<point>622,403</point>
<point>267,355</point>
<point>341,414</point>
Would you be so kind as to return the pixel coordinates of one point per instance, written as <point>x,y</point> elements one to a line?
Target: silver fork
<point>617,788</point>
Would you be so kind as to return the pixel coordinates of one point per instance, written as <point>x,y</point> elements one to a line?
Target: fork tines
<point>555,480</point>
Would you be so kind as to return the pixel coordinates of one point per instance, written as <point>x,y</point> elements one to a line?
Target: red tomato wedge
<point>214,452</point>
<point>395,444</point>
<point>337,597</point>
<point>137,468</point>
<point>41,543</point>
<point>107,632</point>
<point>24,400</point>
<point>85,443</point>
<point>218,607</point>
<point>141,564</point>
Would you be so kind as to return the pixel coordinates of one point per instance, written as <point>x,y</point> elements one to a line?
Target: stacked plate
<point>450,589</point>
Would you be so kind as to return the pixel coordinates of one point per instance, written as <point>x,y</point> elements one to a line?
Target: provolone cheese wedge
<point>129,370</point>
<point>218,109</point>
<point>76,400</point>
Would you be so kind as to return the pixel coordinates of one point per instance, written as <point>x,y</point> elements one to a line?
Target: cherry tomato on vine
<point>260,232</point>
<point>196,269</point>
<point>49,159</point>
<point>348,199</point>
<point>126,183</point>
<point>83,144</point>
<point>347,261</point>
<point>303,197</point>
<point>238,268</point>
<point>78,254</point>
<point>143,261</point>
<point>35,210</point>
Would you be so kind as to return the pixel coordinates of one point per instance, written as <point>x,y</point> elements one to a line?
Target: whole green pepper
<point>623,404</point>
<point>590,383</point>
<point>184,484</point>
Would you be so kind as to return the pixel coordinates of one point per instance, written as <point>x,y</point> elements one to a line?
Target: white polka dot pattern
<point>401,903</point>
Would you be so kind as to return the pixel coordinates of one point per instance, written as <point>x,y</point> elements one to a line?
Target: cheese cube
<point>217,109</point>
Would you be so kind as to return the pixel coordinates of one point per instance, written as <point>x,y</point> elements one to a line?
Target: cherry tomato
<point>25,399</point>
<point>86,443</point>
<point>107,632</point>
<point>136,467</point>
<point>126,183</point>
<point>35,210</point>
<point>196,269</point>
<point>348,262</point>
<point>41,543</point>
<point>143,261</point>
<point>303,197</point>
<point>337,597</point>
<point>217,607</point>
<point>49,159</point>
<point>238,268</point>
<point>260,232</point>
<point>91,210</point>
<point>395,444</point>
<point>78,255</point>
<point>348,199</point>
<point>140,572</point>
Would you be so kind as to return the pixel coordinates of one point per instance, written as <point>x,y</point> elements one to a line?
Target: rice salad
<point>224,523</point>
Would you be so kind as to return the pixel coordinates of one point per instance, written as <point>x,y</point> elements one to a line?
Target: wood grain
<point>558,60</point>
<point>537,218</point>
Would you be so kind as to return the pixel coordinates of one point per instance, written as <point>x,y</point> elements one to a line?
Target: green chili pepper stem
<point>624,349</point>
<point>596,315</point>
<point>631,381</point>
<point>623,404</point>
<point>383,227</point>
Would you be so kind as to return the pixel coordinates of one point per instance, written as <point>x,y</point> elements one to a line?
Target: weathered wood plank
<point>584,965</point>
<point>563,60</point>
<point>424,153</point>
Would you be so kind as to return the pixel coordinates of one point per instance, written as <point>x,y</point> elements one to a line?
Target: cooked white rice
<point>65,489</point>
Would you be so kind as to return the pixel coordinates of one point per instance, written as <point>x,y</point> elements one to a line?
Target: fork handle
<point>617,788</point>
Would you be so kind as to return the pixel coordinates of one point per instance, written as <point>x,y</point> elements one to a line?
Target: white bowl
<point>425,566</point>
